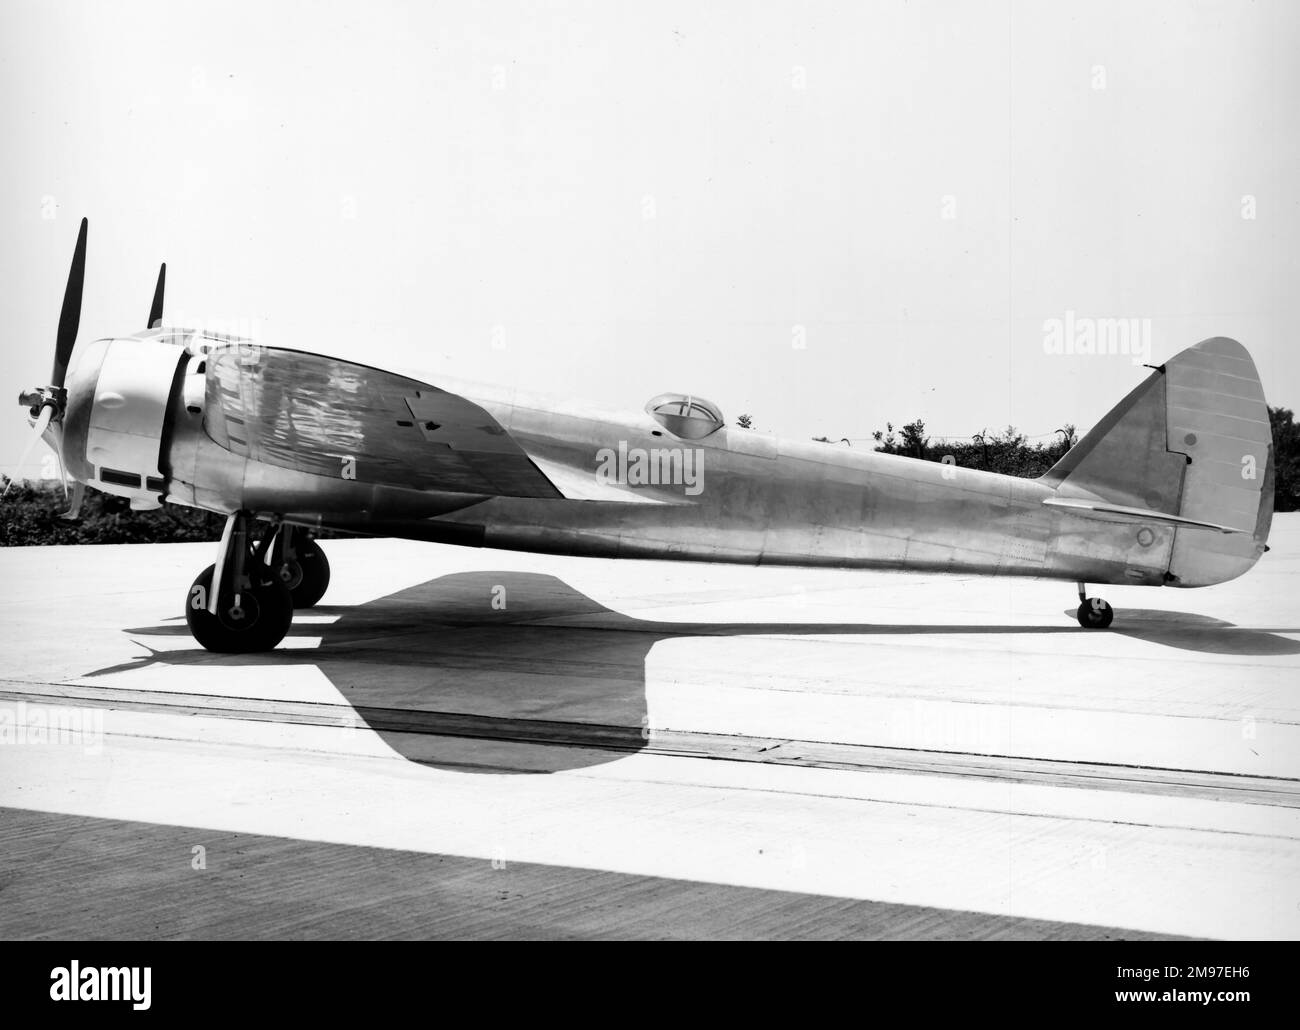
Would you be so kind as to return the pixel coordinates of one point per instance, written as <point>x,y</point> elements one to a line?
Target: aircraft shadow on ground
<point>520,672</point>
<point>1201,633</point>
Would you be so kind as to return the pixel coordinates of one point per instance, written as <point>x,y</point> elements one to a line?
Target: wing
<point>316,414</point>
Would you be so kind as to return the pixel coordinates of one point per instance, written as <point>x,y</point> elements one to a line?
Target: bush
<point>28,515</point>
<point>1007,452</point>
<point>1286,459</point>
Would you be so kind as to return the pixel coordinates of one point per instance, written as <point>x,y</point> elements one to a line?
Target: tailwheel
<point>299,563</point>
<point>243,607</point>
<point>1093,613</point>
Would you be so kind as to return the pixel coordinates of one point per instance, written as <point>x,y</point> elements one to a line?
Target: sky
<point>825,215</point>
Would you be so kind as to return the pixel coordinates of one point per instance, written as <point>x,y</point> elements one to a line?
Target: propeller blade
<point>156,310</point>
<point>42,421</point>
<point>70,317</point>
<point>63,473</point>
<point>74,508</point>
<point>73,514</point>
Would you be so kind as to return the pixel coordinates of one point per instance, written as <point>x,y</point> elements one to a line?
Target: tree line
<point>1009,452</point>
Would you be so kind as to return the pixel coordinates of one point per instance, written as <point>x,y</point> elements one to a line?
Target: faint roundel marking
<point>1153,500</point>
<point>1145,537</point>
<point>1190,438</point>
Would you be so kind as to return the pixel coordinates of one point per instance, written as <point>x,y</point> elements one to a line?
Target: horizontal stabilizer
<point>1120,513</point>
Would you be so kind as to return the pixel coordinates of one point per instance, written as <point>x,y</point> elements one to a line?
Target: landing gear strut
<point>300,564</point>
<point>1094,613</point>
<point>237,606</point>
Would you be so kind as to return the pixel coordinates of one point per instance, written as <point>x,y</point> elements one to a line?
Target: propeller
<point>156,309</point>
<point>45,404</point>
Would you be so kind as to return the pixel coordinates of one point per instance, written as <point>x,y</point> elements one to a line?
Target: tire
<point>267,614</point>
<point>1095,613</point>
<point>308,577</point>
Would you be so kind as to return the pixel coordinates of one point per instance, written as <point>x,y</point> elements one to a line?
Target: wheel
<point>308,574</point>
<point>259,624</point>
<point>1095,613</point>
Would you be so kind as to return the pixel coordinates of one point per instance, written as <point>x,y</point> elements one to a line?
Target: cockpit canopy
<point>691,418</point>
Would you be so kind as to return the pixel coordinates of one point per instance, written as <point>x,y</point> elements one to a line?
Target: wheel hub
<point>291,574</point>
<point>240,616</point>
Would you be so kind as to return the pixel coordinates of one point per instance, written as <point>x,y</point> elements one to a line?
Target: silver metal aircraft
<point>1172,488</point>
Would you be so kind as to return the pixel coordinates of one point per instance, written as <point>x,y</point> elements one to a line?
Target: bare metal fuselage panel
<point>330,443</point>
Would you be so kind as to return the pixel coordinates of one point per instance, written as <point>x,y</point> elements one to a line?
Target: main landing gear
<point>1094,613</point>
<point>301,565</point>
<point>245,601</point>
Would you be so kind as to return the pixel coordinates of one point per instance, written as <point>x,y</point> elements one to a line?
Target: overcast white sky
<point>634,198</point>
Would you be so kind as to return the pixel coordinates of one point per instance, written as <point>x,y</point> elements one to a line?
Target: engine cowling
<point>116,418</point>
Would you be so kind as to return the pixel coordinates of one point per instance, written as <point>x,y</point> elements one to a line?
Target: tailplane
<point>1191,448</point>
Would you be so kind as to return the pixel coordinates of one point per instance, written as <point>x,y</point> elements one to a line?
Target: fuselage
<point>772,501</point>
<point>737,495</point>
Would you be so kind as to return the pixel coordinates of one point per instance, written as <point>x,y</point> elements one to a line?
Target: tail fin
<point>1192,443</point>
